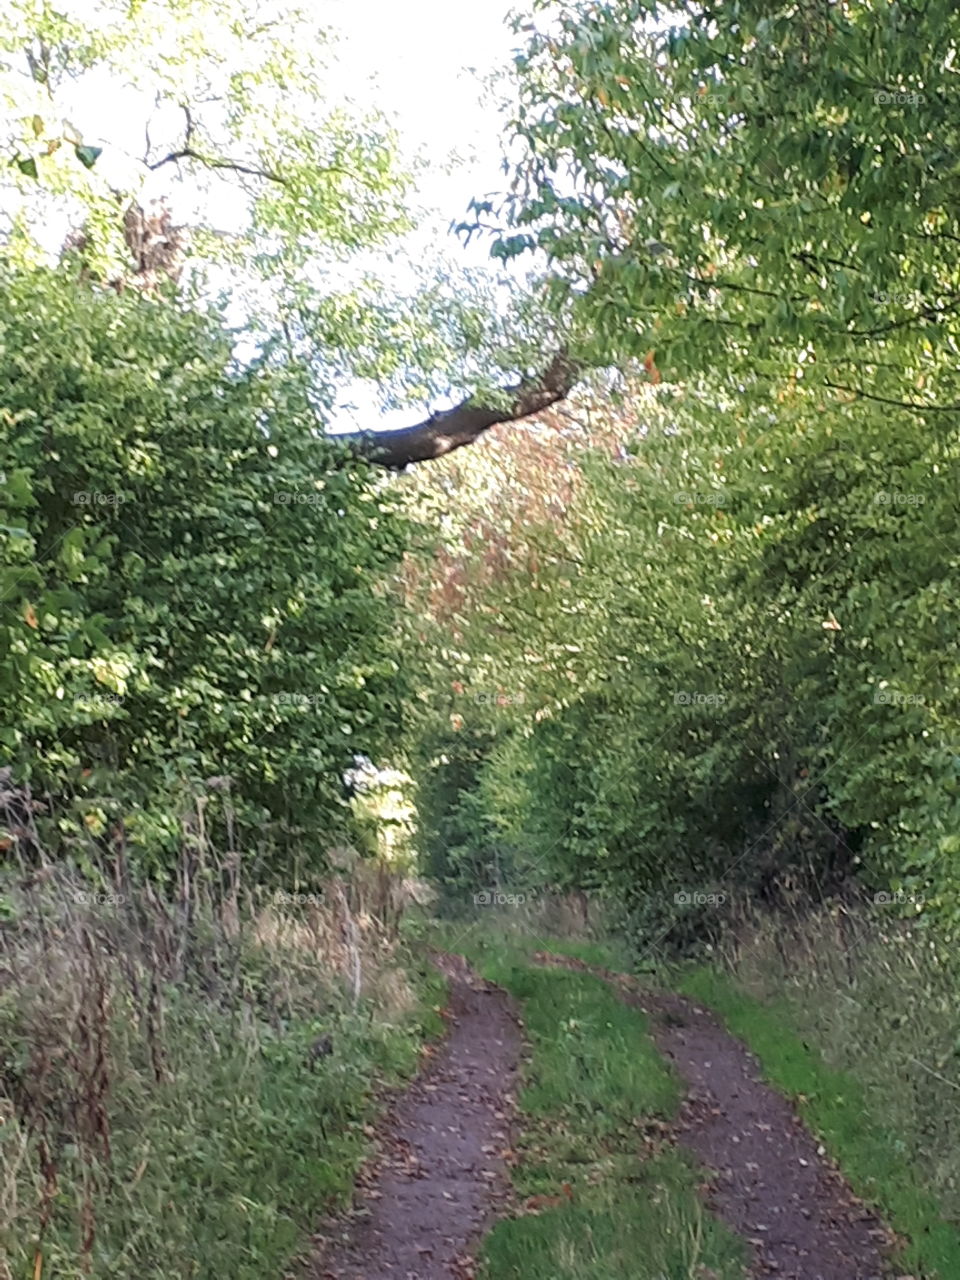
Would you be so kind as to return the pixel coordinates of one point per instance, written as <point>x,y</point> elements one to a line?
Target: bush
<point>193,584</point>
<point>737,666</point>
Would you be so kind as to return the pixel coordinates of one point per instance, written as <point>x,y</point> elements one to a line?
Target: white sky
<point>418,56</point>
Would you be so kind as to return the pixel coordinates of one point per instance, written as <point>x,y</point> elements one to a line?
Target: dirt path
<point>442,1173</point>
<point>771,1181</point>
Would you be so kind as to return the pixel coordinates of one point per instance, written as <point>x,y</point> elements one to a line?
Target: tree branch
<point>451,429</point>
<point>913,405</point>
<point>188,153</point>
<point>925,313</point>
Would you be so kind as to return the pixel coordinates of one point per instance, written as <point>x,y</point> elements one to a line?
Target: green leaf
<point>88,155</point>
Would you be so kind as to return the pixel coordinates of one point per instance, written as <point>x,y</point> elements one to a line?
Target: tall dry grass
<point>185,1076</point>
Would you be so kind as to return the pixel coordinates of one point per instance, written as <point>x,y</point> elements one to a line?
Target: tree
<point>754,652</point>
<point>761,193</point>
<point>195,613</point>
<point>223,106</point>
<point>229,122</point>
<point>464,424</point>
<point>663,183</point>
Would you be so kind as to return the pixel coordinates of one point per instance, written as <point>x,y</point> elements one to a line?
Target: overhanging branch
<point>441,433</point>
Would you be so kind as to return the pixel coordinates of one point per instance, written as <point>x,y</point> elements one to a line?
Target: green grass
<point>648,1227</point>
<point>490,934</point>
<point>595,1099</point>
<point>834,1105</point>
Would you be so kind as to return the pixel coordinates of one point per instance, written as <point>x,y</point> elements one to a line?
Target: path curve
<point>772,1182</point>
<point>442,1174</point>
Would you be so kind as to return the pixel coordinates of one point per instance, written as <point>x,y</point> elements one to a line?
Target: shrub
<point>192,581</point>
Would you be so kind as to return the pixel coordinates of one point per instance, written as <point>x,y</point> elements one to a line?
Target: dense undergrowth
<point>184,1088</point>
<point>727,663</point>
<point>194,632</point>
<point>721,679</point>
